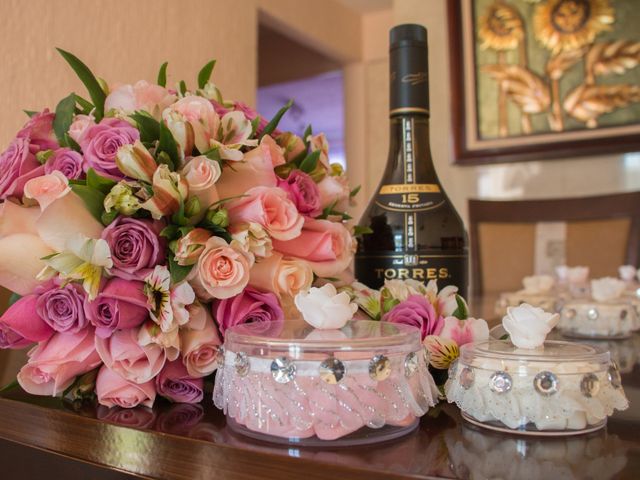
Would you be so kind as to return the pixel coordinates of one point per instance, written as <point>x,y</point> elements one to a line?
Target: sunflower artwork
<point>556,65</point>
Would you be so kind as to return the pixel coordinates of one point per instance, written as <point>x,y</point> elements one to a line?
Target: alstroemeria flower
<point>445,301</point>
<point>465,331</point>
<point>84,259</point>
<point>135,161</point>
<point>233,134</point>
<point>151,333</point>
<point>167,304</point>
<point>122,199</point>
<point>442,351</point>
<point>169,189</point>
<point>367,299</point>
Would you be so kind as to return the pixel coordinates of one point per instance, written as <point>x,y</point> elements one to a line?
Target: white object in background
<point>607,288</point>
<point>549,246</point>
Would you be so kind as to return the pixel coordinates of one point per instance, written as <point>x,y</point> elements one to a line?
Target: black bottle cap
<point>409,65</point>
<point>407,34</point>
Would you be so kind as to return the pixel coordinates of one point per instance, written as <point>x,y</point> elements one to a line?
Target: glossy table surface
<point>40,436</point>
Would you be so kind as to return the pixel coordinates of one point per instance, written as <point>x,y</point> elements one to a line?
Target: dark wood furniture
<point>44,438</point>
<point>621,210</point>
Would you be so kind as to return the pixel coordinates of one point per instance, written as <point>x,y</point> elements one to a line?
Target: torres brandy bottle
<point>417,232</point>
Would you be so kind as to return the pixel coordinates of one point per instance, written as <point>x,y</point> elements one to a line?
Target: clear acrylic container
<point>561,388</point>
<point>288,382</point>
<point>590,319</point>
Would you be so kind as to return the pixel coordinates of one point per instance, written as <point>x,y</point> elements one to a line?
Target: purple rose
<point>174,383</point>
<point>121,304</point>
<point>135,245</point>
<point>38,131</point>
<point>417,312</point>
<point>249,306</point>
<point>179,419</point>
<point>17,165</point>
<point>67,161</point>
<point>137,417</point>
<point>100,144</point>
<point>302,191</point>
<point>62,308</point>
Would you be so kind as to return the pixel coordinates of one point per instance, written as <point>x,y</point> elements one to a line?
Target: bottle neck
<point>409,150</point>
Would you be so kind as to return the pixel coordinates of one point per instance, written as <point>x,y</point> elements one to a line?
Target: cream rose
<point>325,308</point>
<point>47,189</point>
<point>253,238</point>
<point>607,288</point>
<point>528,326</point>
<point>222,270</point>
<point>202,174</point>
<point>282,276</point>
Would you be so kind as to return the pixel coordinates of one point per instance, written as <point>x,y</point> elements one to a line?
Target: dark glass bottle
<point>417,232</point>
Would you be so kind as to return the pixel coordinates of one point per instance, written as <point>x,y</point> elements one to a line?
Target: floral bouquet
<point>442,316</point>
<point>137,226</point>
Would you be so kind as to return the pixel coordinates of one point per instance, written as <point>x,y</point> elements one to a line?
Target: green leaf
<point>9,386</point>
<point>162,75</point>
<point>85,104</point>
<point>43,155</point>
<point>505,337</point>
<point>273,124</point>
<point>389,303</point>
<point>355,191</point>
<point>149,127</point>
<point>109,217</point>
<point>98,182</point>
<point>90,81</point>
<point>178,272</point>
<point>183,88</point>
<point>179,217</point>
<point>362,230</point>
<point>30,113</point>
<point>170,232</point>
<point>168,145</point>
<point>462,312</point>
<point>93,199</point>
<point>72,143</point>
<point>205,74</point>
<point>254,125</point>
<point>14,298</point>
<point>64,116</point>
<point>310,163</point>
<point>307,131</point>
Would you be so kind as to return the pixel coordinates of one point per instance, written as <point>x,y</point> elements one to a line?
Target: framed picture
<point>536,79</point>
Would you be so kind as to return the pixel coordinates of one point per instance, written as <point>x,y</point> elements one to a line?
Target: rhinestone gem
<point>283,370</point>
<point>241,364</point>
<point>466,378</point>
<point>332,370</point>
<point>452,369</point>
<point>379,368</point>
<point>570,313</point>
<point>500,382</point>
<point>623,314</point>
<point>593,314</point>
<point>613,374</point>
<point>546,383</point>
<point>411,364</point>
<point>590,385</point>
<point>220,357</point>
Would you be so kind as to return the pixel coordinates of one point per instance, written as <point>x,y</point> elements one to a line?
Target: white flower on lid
<point>536,284</point>
<point>627,272</point>
<point>325,308</point>
<point>607,288</point>
<point>528,326</point>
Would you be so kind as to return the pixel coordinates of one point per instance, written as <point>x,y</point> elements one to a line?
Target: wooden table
<point>45,438</point>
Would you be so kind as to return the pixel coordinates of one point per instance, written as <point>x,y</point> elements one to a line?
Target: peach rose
<point>200,347</point>
<point>255,170</point>
<point>222,270</point>
<point>291,144</point>
<point>334,189</point>
<point>269,207</point>
<point>319,142</point>
<point>54,364</point>
<point>282,276</point>
<point>190,247</point>
<point>47,188</point>
<point>113,390</point>
<point>192,117</point>
<point>79,125</point>
<point>327,246</point>
<point>202,174</point>
<point>142,95</point>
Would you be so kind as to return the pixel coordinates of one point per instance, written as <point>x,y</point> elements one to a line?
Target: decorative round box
<point>591,319</point>
<point>288,382</point>
<point>561,388</point>
<point>549,301</point>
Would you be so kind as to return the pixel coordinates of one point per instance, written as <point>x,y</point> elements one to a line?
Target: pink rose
<point>247,307</point>
<point>192,120</point>
<point>269,207</point>
<point>200,346</point>
<point>255,170</point>
<point>67,161</point>
<point>38,131</point>
<point>122,354</point>
<point>285,277</point>
<point>47,189</point>
<point>143,95</point>
<point>114,391</point>
<point>334,189</point>
<point>222,270</point>
<point>100,144</point>
<point>54,363</point>
<point>190,246</point>
<point>79,125</point>
<point>303,192</point>
<point>175,384</point>
<point>122,304</point>
<point>465,331</point>
<point>202,174</point>
<point>21,325</point>
<point>417,312</point>
<point>327,246</point>
<point>17,166</point>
